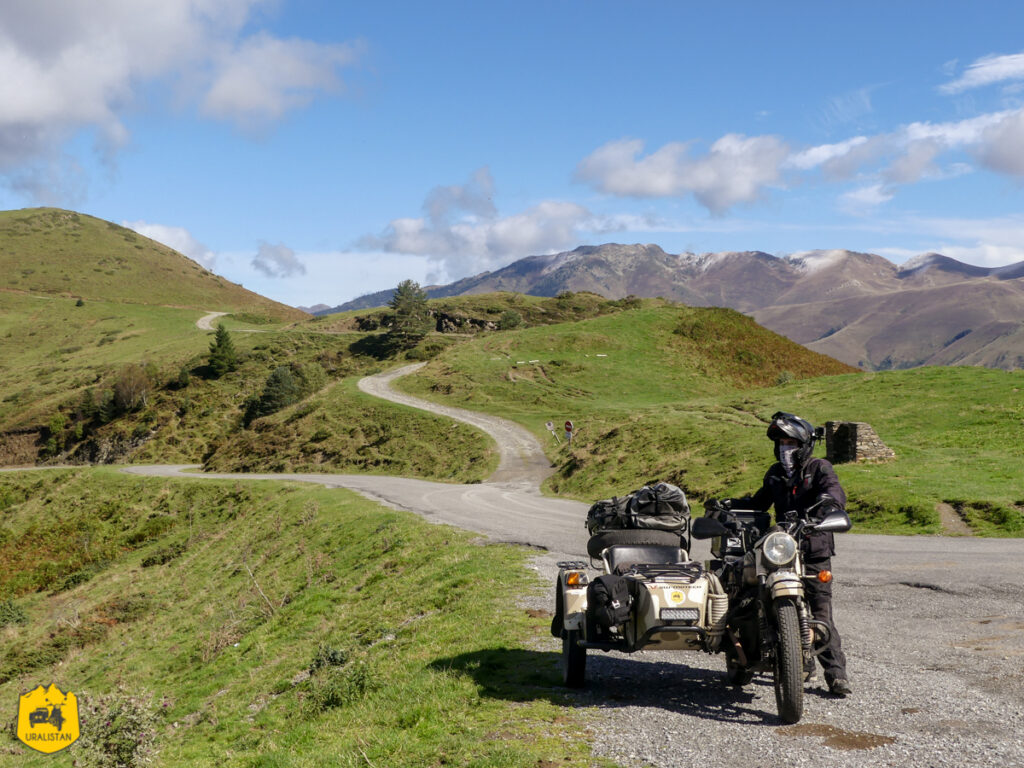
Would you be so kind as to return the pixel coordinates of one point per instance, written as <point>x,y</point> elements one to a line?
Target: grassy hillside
<point>271,624</point>
<point>51,348</point>
<point>659,403</point>
<point>658,390</point>
<point>651,355</point>
<point>66,361</point>
<point>54,252</point>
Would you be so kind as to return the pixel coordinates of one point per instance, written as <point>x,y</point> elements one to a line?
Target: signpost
<point>551,428</point>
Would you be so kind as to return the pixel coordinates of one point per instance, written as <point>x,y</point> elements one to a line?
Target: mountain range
<point>858,307</point>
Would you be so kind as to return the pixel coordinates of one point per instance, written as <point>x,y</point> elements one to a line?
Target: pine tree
<point>280,390</point>
<point>412,317</point>
<point>223,358</point>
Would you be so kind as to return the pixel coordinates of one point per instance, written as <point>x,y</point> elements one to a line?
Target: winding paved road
<point>933,628</point>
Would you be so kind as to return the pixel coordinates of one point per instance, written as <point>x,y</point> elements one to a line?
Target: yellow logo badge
<point>48,719</point>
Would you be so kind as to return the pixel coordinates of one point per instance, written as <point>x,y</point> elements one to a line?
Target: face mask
<point>787,455</point>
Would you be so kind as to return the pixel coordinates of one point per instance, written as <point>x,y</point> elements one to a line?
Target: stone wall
<point>854,441</point>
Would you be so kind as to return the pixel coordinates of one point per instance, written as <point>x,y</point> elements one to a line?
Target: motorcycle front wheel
<point>789,668</point>
<point>574,659</point>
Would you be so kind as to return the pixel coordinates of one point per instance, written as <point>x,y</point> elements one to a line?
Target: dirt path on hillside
<point>523,463</point>
<point>952,523</point>
<point>205,323</point>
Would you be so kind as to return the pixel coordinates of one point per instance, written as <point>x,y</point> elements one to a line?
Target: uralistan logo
<point>48,719</point>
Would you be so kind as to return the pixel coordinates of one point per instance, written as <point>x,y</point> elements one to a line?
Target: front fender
<point>575,606</point>
<point>784,584</point>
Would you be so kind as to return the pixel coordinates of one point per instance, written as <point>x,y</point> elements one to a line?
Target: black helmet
<point>787,425</point>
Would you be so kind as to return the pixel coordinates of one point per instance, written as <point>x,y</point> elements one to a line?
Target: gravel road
<point>933,628</point>
<point>205,323</point>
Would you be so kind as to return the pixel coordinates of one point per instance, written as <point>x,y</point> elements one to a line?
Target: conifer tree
<point>223,357</point>
<point>280,390</point>
<point>412,317</point>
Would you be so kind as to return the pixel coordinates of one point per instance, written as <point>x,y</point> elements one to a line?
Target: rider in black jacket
<point>793,484</point>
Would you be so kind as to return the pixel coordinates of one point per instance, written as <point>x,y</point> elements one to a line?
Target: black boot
<point>840,687</point>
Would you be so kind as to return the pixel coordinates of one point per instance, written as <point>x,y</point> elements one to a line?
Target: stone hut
<point>854,441</point>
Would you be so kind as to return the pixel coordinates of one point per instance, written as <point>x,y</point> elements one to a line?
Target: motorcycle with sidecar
<point>648,594</point>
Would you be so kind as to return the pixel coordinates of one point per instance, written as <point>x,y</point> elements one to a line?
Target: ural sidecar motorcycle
<point>661,599</point>
<point>649,595</point>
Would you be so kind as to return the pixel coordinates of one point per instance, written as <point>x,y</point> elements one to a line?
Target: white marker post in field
<point>551,428</point>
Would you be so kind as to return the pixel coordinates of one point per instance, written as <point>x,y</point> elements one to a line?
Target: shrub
<point>184,378</point>
<point>784,377</point>
<point>12,613</point>
<point>336,686</point>
<point>509,319</point>
<point>426,352</point>
<point>132,388</point>
<point>164,555</point>
<point>118,730</point>
<point>311,377</point>
<point>326,656</point>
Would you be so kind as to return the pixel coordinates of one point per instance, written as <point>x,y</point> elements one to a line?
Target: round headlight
<point>779,548</point>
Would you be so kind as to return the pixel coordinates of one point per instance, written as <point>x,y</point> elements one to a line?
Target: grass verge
<point>274,624</point>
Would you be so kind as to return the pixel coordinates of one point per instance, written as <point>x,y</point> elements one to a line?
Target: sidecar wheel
<point>735,674</point>
<point>574,659</point>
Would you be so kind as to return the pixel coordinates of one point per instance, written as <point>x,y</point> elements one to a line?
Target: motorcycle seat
<point>621,557</point>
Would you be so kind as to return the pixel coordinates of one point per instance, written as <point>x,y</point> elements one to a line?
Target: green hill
<point>268,624</point>
<point>658,389</point>
<point>54,252</point>
<point>685,395</point>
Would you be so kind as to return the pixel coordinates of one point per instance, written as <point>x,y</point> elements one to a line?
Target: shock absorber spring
<point>805,626</point>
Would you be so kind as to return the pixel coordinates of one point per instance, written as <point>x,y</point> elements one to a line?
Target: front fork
<point>784,583</point>
<point>806,633</point>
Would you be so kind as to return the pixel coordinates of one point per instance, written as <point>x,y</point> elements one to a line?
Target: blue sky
<point>315,151</point>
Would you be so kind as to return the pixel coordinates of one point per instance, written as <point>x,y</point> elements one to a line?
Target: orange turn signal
<point>573,579</point>
<point>825,577</point>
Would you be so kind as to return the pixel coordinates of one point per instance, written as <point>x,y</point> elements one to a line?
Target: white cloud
<point>1002,145</point>
<point>863,199</point>
<point>986,71</point>
<point>992,242</point>
<point>277,261</point>
<point>736,169</point>
<point>70,66</point>
<point>955,134</point>
<point>462,233</point>
<point>178,238</point>
<point>983,254</point>
<point>915,163</point>
<point>264,77</point>
<point>813,157</point>
<point>331,277</point>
